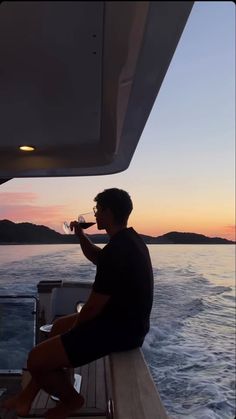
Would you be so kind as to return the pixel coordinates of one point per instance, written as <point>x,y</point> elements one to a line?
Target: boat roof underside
<point>78,81</point>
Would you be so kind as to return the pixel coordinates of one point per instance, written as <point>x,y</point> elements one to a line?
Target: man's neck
<point>114,229</point>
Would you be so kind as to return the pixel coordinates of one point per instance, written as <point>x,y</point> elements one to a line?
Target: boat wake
<point>189,355</point>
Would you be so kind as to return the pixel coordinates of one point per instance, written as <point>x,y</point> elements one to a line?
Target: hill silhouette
<point>28,233</point>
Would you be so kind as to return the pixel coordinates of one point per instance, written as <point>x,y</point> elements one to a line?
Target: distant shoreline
<point>28,233</point>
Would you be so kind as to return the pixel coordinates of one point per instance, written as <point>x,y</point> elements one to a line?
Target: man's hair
<point>118,201</point>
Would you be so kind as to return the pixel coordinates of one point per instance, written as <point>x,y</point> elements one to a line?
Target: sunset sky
<point>182,175</point>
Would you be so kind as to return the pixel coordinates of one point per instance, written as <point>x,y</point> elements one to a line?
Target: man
<point>115,317</point>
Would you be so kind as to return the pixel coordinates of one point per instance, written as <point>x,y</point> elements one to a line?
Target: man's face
<point>101,217</point>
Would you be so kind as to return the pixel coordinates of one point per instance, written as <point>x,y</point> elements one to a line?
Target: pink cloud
<point>230,228</point>
<point>31,212</point>
<point>17,197</point>
<point>230,232</point>
<point>20,207</point>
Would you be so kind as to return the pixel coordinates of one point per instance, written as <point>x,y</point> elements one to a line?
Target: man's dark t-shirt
<point>124,272</point>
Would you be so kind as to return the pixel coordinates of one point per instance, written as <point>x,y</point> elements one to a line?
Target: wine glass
<point>85,220</point>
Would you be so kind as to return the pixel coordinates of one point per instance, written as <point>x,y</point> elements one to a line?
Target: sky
<point>182,175</point>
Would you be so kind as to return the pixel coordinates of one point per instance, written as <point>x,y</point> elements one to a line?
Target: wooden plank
<point>50,403</point>
<point>74,417</point>
<point>84,371</point>
<point>40,413</point>
<point>36,402</point>
<point>40,401</point>
<point>91,385</point>
<point>100,385</point>
<point>93,405</point>
<point>135,394</point>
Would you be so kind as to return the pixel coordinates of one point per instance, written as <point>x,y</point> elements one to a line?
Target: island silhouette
<point>28,233</point>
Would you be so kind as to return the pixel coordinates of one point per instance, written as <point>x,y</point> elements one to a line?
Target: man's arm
<point>92,308</point>
<point>89,249</point>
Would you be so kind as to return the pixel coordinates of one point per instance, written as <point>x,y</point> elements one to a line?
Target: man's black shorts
<point>94,339</point>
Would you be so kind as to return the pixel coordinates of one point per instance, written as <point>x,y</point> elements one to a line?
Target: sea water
<point>190,348</point>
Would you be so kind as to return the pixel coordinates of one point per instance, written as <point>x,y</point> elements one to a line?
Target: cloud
<point>230,232</point>
<point>230,228</point>
<point>32,213</point>
<point>17,197</point>
<point>20,207</point>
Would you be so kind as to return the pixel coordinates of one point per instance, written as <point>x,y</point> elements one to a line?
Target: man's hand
<point>74,225</point>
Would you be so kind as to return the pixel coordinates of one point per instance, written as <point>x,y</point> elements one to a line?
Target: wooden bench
<point>134,392</point>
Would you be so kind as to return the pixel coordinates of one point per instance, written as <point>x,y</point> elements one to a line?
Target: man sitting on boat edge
<point>115,317</point>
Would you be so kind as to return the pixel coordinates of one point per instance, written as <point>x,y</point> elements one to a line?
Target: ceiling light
<point>27,148</point>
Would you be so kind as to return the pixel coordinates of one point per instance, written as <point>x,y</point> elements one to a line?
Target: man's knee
<point>59,326</point>
<point>55,327</point>
<point>62,325</point>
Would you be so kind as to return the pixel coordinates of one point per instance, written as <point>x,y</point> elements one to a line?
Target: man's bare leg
<point>57,382</point>
<point>46,363</point>
<point>63,324</point>
<point>22,402</point>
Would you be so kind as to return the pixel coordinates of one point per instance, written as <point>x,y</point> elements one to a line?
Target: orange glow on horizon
<point>24,207</point>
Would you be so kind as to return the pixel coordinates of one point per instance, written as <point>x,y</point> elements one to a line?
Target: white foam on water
<point>190,345</point>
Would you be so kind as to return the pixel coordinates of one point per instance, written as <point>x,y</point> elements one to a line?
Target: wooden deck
<point>121,381</point>
<point>94,388</point>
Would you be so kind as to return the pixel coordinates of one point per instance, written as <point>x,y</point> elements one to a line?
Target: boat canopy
<point>78,81</point>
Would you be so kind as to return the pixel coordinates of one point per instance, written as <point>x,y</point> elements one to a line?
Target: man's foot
<point>22,407</point>
<point>62,411</point>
